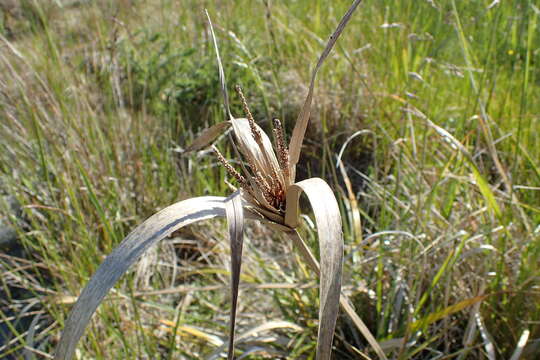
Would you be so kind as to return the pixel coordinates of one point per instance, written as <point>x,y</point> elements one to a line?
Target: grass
<point>98,100</point>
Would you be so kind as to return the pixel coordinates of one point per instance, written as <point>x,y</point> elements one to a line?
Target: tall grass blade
<point>328,218</point>
<point>295,145</point>
<point>222,81</point>
<point>30,337</point>
<point>484,118</point>
<point>235,222</point>
<point>155,228</point>
<point>481,182</point>
<point>353,204</point>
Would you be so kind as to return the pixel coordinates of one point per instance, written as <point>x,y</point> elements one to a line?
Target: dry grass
<point>90,150</point>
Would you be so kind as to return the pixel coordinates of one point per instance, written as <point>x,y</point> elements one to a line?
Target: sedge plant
<point>267,192</point>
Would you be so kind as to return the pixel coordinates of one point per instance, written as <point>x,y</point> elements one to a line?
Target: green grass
<point>95,111</point>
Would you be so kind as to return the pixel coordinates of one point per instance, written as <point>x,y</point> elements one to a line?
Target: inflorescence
<point>271,184</point>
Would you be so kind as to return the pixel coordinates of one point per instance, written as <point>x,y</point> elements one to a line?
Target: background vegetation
<point>98,99</point>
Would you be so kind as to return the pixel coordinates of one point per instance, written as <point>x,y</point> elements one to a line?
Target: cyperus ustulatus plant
<point>267,192</point>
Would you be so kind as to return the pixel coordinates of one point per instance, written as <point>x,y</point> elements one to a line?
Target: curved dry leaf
<point>265,352</point>
<point>235,222</point>
<point>155,228</point>
<point>328,219</point>
<point>295,145</point>
<point>207,136</point>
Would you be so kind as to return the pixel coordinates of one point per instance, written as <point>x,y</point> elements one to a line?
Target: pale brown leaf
<point>155,228</point>
<point>207,136</point>
<point>349,310</point>
<point>265,160</point>
<point>270,325</point>
<point>235,222</point>
<point>295,145</point>
<point>328,219</point>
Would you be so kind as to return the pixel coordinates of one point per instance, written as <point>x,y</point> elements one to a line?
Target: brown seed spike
<point>232,171</point>
<point>264,188</point>
<point>254,130</point>
<point>283,152</point>
<point>254,169</point>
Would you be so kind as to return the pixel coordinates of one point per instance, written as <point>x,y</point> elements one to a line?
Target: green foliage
<point>92,150</point>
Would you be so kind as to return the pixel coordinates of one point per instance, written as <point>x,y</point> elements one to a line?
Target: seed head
<point>256,134</point>
<point>283,151</point>
<point>230,169</point>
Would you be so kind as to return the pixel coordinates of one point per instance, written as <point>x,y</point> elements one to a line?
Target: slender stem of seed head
<point>283,151</point>
<point>231,170</point>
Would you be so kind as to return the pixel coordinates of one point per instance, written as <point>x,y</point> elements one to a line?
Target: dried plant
<point>267,192</point>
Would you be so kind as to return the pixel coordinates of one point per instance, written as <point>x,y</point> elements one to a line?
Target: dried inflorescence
<point>230,169</point>
<point>282,149</point>
<point>270,183</point>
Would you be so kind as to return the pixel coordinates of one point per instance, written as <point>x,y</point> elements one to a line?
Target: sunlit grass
<point>95,112</point>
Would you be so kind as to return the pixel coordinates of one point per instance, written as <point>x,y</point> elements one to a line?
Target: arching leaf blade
<point>328,219</point>
<point>155,228</point>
